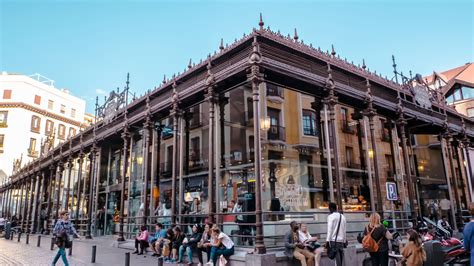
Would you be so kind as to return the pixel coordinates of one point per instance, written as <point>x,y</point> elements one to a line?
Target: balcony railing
<point>248,119</point>
<point>346,128</point>
<point>32,153</point>
<point>276,133</point>
<point>195,120</point>
<point>385,137</point>
<point>196,162</point>
<point>275,93</point>
<point>166,168</point>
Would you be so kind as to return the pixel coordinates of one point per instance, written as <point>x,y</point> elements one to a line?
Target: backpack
<point>368,242</point>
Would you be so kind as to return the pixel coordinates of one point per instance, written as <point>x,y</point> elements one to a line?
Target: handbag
<point>313,245</point>
<point>334,249</point>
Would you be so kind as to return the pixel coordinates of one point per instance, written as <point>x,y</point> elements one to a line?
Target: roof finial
<point>190,63</point>
<point>394,65</point>
<point>261,22</point>
<point>363,64</point>
<point>333,52</point>
<point>221,47</point>
<point>164,79</point>
<point>296,35</point>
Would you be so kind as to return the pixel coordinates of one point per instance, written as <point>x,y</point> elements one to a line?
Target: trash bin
<point>8,227</point>
<point>434,253</point>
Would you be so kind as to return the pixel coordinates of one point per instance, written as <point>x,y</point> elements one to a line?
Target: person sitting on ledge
<point>142,240</point>
<point>295,249</point>
<point>190,245</point>
<point>223,245</point>
<point>157,240</point>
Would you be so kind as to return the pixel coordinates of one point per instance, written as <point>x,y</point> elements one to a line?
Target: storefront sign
<point>391,191</point>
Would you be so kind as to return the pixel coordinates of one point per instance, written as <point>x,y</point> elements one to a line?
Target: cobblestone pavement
<point>14,253</point>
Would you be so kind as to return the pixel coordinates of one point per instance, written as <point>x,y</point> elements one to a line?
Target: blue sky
<point>89,46</point>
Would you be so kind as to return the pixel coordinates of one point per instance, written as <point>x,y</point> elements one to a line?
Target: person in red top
<point>142,240</point>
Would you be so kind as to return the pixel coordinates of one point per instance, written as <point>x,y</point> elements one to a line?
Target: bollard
<point>70,249</point>
<point>52,243</point>
<point>38,243</point>
<point>94,249</point>
<point>27,239</point>
<point>160,261</point>
<point>127,259</point>
<point>11,236</point>
<point>19,236</point>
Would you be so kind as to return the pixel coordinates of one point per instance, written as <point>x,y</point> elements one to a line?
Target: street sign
<point>391,191</point>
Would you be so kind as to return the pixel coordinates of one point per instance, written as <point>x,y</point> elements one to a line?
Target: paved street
<point>14,253</point>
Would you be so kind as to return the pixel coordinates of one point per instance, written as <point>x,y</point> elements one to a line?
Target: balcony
<point>346,128</point>
<point>275,94</point>
<point>276,133</point>
<point>32,153</point>
<point>248,119</point>
<point>195,120</point>
<point>196,162</point>
<point>166,168</point>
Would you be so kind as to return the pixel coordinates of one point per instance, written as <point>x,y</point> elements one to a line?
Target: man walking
<point>294,248</point>
<point>336,236</point>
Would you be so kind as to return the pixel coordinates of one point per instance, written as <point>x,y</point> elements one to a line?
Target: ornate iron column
<point>370,112</point>
<point>125,137</point>
<point>331,101</point>
<point>401,122</point>
<point>256,78</point>
<point>211,100</point>
<point>445,156</point>
<point>32,192</point>
<point>147,133</point>
<point>70,164</point>
<point>457,145</point>
<point>59,176</point>
<point>92,174</point>
<point>49,195</point>
<point>176,114</point>
<point>448,138</point>
<point>37,200</point>
<point>22,206</point>
<point>79,183</point>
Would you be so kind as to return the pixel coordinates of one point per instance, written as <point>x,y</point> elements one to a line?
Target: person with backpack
<point>375,241</point>
<point>63,230</point>
<point>336,237</point>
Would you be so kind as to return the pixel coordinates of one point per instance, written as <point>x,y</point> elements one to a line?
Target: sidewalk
<point>14,253</point>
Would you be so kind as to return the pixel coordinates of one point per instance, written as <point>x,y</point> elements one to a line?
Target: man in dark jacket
<point>295,249</point>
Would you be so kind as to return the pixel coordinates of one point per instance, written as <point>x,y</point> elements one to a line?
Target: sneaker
<point>209,263</point>
<point>199,264</point>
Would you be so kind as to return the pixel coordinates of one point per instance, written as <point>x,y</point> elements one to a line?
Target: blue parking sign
<point>391,191</point>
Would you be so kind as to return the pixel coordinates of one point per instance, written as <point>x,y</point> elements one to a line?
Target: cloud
<point>100,92</point>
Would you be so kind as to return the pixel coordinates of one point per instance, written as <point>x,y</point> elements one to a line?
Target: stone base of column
<point>120,239</point>
<point>260,259</point>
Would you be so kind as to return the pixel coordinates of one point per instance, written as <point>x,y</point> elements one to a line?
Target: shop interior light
<point>371,154</point>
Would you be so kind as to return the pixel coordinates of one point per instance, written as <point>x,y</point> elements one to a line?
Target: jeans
<point>61,253</point>
<point>189,252</point>
<point>201,250</point>
<point>217,252</point>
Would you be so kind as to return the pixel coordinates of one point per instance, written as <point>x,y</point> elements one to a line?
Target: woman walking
<point>63,230</point>
<point>377,236</point>
<point>413,253</point>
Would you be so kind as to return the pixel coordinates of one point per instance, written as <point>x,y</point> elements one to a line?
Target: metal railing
<point>276,133</point>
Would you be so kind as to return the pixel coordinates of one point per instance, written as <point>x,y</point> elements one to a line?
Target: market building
<point>269,121</point>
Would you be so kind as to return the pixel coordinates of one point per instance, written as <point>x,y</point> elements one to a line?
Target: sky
<point>89,46</point>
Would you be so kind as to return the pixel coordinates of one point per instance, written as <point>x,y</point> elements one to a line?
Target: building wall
<point>30,97</point>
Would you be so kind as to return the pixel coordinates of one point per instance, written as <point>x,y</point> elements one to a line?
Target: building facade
<point>267,121</point>
<point>34,116</point>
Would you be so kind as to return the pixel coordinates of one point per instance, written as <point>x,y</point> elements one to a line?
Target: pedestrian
<point>468,233</point>
<point>311,243</point>
<point>63,231</point>
<point>336,235</point>
<point>443,223</point>
<point>223,246</point>
<point>141,240</point>
<point>445,206</point>
<point>190,245</point>
<point>413,253</point>
<point>296,249</point>
<point>378,236</point>
<point>156,241</point>
<point>195,209</point>
<point>204,245</point>
<point>176,243</point>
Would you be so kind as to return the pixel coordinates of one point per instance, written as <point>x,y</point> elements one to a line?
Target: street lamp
<point>265,123</point>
